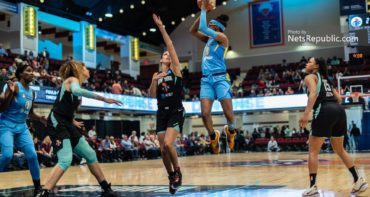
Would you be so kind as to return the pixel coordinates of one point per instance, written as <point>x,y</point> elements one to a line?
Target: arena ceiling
<point>126,20</point>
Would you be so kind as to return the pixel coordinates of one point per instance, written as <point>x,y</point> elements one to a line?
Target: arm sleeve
<point>78,91</point>
<point>203,26</point>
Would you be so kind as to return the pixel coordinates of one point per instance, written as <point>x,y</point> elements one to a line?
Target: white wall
<point>318,17</point>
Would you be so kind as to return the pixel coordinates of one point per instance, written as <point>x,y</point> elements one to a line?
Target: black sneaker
<point>177,179</point>
<point>108,192</point>
<point>171,179</point>
<point>41,193</point>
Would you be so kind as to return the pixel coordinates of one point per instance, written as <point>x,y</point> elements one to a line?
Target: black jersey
<point>325,91</point>
<point>169,91</point>
<point>66,104</point>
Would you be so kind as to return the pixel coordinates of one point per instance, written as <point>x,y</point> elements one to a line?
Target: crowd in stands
<point>268,80</point>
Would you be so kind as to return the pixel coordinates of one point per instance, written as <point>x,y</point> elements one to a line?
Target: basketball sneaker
<point>215,144</point>
<point>42,193</point>
<point>230,137</point>
<point>108,192</point>
<point>360,186</point>
<point>171,177</point>
<point>312,192</point>
<point>177,179</point>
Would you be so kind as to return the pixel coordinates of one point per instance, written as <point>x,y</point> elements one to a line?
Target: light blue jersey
<point>213,58</point>
<point>20,107</point>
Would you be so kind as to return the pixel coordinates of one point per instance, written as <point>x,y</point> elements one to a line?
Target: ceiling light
<point>40,32</point>
<point>152,29</point>
<point>182,19</point>
<point>121,11</point>
<point>42,1</point>
<point>132,6</point>
<point>173,23</point>
<point>109,12</point>
<point>224,3</point>
<point>100,19</point>
<point>193,15</point>
<point>144,33</point>
<point>142,2</point>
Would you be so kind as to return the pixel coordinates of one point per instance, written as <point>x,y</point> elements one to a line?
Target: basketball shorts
<point>170,118</point>
<point>215,87</point>
<point>329,120</point>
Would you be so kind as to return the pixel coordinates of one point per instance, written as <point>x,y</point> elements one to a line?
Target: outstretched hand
<point>112,101</point>
<point>157,20</point>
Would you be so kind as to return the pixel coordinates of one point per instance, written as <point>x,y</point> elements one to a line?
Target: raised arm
<point>171,49</point>
<point>220,37</point>
<point>194,31</point>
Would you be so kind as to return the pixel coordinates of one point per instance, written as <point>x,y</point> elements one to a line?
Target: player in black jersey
<point>166,86</point>
<point>62,127</point>
<point>329,121</point>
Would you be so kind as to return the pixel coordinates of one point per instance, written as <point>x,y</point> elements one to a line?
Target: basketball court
<point>239,174</point>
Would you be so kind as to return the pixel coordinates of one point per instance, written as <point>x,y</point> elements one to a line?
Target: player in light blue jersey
<point>16,106</point>
<point>215,82</point>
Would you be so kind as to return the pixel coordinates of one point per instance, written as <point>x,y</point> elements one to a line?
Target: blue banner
<point>266,23</point>
<point>145,105</point>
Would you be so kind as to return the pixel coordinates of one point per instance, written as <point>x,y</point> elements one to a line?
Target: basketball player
<point>329,121</point>
<point>62,127</point>
<point>16,106</point>
<point>166,86</point>
<point>215,82</point>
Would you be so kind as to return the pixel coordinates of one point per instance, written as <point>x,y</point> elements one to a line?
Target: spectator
<point>335,61</point>
<point>151,148</point>
<point>114,149</point>
<point>92,132</point>
<point>355,134</point>
<point>135,91</point>
<point>116,88</point>
<point>289,91</point>
<point>195,98</point>
<point>127,145</point>
<point>273,145</point>
<point>47,151</point>
<point>2,51</point>
<point>12,69</point>
<point>133,138</point>
<point>45,53</point>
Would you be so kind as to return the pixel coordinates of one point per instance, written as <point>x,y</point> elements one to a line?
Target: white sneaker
<point>360,186</point>
<point>312,192</point>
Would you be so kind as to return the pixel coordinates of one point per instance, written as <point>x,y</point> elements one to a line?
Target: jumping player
<point>215,82</point>
<point>166,86</point>
<point>329,121</point>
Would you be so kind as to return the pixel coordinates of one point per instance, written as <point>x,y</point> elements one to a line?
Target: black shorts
<point>329,120</point>
<point>60,128</point>
<point>170,118</point>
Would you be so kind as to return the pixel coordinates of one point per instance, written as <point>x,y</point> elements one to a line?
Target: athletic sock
<point>354,173</point>
<point>231,127</point>
<point>312,179</point>
<point>212,135</point>
<point>37,184</point>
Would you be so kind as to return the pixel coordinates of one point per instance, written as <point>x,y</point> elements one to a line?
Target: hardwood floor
<point>273,174</point>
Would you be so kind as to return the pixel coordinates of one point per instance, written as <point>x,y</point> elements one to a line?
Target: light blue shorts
<point>215,87</point>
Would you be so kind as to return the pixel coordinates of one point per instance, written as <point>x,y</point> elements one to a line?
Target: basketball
<point>210,6</point>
